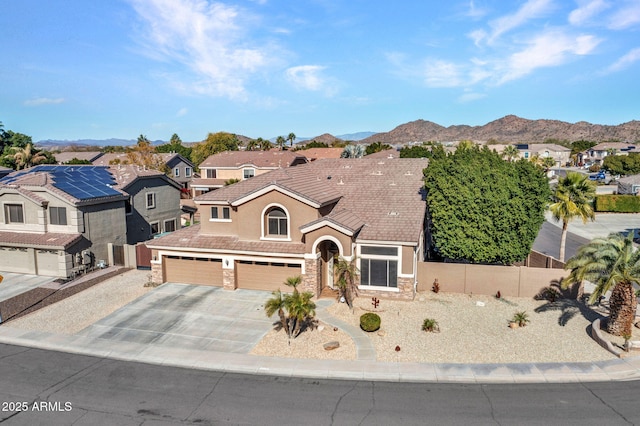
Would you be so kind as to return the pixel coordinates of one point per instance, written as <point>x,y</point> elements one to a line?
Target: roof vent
<point>328,177</point>
<point>377,173</point>
<point>341,182</point>
<point>392,213</point>
<point>408,173</point>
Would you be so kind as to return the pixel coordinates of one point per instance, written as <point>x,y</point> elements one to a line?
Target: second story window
<point>211,173</point>
<point>249,173</point>
<point>215,213</point>
<point>151,200</point>
<point>176,172</point>
<point>13,213</point>
<point>58,215</point>
<point>187,172</point>
<point>277,223</point>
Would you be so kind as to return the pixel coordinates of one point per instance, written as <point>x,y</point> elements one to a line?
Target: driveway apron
<point>189,317</point>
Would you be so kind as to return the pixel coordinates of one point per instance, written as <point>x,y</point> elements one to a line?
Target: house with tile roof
<point>57,220</point>
<point>66,156</point>
<point>241,165</point>
<point>297,221</point>
<point>597,153</point>
<point>560,154</point>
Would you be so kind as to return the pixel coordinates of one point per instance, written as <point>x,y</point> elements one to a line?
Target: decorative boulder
<point>329,346</point>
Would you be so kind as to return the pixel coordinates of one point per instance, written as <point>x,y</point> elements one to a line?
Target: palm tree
<point>276,304</point>
<point>27,156</point>
<point>265,144</point>
<point>253,144</point>
<point>346,272</point>
<point>291,138</point>
<point>280,141</point>
<point>573,197</point>
<point>611,263</point>
<point>510,153</point>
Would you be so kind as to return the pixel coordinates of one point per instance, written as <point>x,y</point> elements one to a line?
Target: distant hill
<point>355,136</point>
<point>509,129</point>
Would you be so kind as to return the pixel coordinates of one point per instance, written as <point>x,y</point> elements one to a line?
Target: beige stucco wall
<point>407,260</point>
<point>238,173</point>
<point>320,233</point>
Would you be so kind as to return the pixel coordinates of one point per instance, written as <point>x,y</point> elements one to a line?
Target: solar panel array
<point>81,182</point>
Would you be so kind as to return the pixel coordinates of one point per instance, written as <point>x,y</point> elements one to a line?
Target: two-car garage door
<point>193,270</point>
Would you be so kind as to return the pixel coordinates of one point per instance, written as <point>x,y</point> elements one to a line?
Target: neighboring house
<point>596,154</point>
<point>386,154</point>
<point>111,158</point>
<point>56,220</point>
<point>629,185</point>
<point>181,168</point>
<point>560,154</point>
<point>314,154</point>
<point>65,157</point>
<point>241,165</point>
<point>154,206</point>
<point>297,221</point>
<point>4,171</point>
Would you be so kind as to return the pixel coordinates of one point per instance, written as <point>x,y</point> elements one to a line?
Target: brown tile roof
<point>259,159</point>
<point>384,194</point>
<point>190,237</point>
<point>343,218</point>
<point>64,157</point>
<point>125,175</point>
<point>110,158</point>
<point>207,182</point>
<point>386,154</point>
<point>48,240</point>
<point>321,153</point>
<point>614,145</point>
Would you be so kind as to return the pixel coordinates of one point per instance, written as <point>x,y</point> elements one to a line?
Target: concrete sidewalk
<point>367,369</point>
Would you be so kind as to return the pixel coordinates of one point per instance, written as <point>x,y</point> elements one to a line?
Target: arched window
<point>277,223</point>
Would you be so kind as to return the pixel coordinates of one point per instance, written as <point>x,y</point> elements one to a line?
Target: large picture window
<point>58,215</point>
<point>379,266</point>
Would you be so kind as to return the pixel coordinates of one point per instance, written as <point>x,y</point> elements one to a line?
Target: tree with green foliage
<point>75,161</point>
<point>377,147</point>
<point>312,144</point>
<point>581,146</point>
<point>346,273</point>
<point>264,144</point>
<point>26,157</point>
<point>291,138</point>
<point>573,197</point>
<point>417,151</point>
<point>612,264</point>
<point>353,151</point>
<point>483,209</point>
<point>510,153</point>
<point>213,144</point>
<point>280,142</point>
<point>295,310</point>
<point>175,145</point>
<point>622,164</point>
<point>144,154</point>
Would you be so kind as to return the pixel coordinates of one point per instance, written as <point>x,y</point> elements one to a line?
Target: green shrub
<point>617,203</point>
<point>430,325</point>
<point>370,321</point>
<point>521,318</point>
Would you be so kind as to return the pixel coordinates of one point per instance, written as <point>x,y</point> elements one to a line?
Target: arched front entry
<point>328,249</point>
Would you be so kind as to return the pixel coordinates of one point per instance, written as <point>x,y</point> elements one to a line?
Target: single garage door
<point>16,260</point>
<point>48,263</point>
<point>193,270</point>
<point>265,275</point>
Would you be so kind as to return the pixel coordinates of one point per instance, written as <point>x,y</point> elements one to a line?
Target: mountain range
<point>506,130</point>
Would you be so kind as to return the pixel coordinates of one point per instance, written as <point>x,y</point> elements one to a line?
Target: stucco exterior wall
<point>103,224</point>
<point>321,233</point>
<point>167,207</point>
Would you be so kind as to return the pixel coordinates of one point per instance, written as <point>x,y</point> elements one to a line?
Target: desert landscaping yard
<point>473,329</point>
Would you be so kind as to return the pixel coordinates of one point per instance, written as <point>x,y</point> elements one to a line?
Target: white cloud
<point>530,10</point>
<point>309,77</point>
<point>586,11</point>
<point>207,39</point>
<point>625,61</point>
<point>438,73</point>
<point>550,49</point>
<point>44,101</point>
<point>625,17</point>
<point>474,11</point>
<point>182,112</point>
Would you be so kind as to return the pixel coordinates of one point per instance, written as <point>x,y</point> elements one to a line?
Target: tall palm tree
<point>291,138</point>
<point>253,144</point>
<point>346,272</point>
<point>265,144</point>
<point>510,153</point>
<point>27,156</point>
<point>573,197</point>
<point>611,263</point>
<point>280,141</point>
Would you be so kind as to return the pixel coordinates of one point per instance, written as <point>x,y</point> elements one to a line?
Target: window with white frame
<point>211,173</point>
<point>277,223</point>
<point>226,213</point>
<point>215,213</point>
<point>379,266</point>
<point>13,213</point>
<point>249,173</point>
<point>176,172</point>
<point>169,225</point>
<point>58,215</point>
<point>187,172</point>
<point>151,200</point>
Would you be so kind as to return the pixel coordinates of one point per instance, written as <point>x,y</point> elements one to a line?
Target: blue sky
<point>76,69</point>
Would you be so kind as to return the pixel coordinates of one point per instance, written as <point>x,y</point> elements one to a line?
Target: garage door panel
<point>189,270</point>
<point>16,260</point>
<point>265,276</point>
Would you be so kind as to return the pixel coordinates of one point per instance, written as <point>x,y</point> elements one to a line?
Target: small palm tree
<point>573,197</point>
<point>280,141</point>
<point>612,264</point>
<point>510,153</point>
<point>294,310</point>
<point>252,145</point>
<point>276,304</point>
<point>346,272</point>
<point>264,144</point>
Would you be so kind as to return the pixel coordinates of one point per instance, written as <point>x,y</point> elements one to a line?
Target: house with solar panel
<point>61,220</point>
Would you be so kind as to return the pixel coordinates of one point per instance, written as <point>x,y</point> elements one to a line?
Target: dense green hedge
<point>618,203</point>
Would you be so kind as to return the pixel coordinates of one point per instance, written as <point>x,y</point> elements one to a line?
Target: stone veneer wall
<point>229,279</point>
<point>156,273</point>
<point>310,280</point>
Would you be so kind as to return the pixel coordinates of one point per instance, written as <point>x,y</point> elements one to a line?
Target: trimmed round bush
<point>370,322</point>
